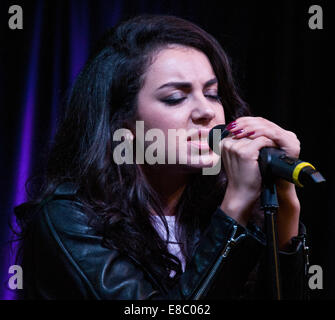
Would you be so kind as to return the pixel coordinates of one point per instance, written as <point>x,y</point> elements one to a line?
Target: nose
<point>202,111</point>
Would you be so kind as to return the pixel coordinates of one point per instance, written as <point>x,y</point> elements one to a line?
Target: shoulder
<point>61,222</point>
<point>66,215</point>
<point>64,238</point>
<point>62,219</point>
<point>63,212</point>
<point>61,242</point>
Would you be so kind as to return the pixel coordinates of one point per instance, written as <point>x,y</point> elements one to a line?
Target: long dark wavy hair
<point>102,100</point>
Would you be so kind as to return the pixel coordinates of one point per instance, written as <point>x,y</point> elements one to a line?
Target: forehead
<point>179,63</point>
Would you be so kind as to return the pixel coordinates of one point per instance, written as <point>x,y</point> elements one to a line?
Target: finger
<point>262,141</point>
<point>249,149</point>
<point>253,127</point>
<point>246,126</point>
<point>242,122</point>
<point>245,148</point>
<point>228,142</point>
<point>286,140</point>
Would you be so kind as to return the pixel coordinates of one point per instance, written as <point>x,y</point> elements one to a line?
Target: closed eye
<point>213,97</point>
<point>172,102</point>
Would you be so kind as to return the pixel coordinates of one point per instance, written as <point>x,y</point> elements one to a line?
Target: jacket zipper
<point>224,254</point>
<point>306,263</point>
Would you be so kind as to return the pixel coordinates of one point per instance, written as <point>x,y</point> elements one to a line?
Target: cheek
<point>157,117</point>
<point>158,121</point>
<point>220,115</point>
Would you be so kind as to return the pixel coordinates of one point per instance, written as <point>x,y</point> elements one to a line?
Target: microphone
<point>274,162</point>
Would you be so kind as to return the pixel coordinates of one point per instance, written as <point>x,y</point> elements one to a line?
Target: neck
<point>168,184</point>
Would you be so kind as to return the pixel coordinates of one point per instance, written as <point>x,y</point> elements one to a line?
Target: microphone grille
<point>224,133</point>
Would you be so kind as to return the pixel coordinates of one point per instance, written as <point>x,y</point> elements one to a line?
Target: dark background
<point>284,70</point>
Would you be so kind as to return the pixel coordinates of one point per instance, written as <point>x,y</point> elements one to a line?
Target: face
<point>180,92</point>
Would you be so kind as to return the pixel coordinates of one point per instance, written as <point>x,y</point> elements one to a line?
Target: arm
<point>240,155</point>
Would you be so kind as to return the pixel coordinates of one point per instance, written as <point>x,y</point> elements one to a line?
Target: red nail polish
<point>250,133</point>
<point>237,132</point>
<point>231,125</point>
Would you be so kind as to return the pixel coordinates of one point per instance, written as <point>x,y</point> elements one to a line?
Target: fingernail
<point>250,133</point>
<point>237,132</point>
<point>231,125</point>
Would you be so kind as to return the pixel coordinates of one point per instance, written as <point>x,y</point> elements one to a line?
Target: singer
<point>102,230</point>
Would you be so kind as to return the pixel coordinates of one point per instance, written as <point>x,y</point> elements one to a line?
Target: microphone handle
<point>275,162</point>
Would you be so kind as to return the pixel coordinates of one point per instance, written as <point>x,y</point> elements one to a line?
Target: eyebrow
<point>186,85</point>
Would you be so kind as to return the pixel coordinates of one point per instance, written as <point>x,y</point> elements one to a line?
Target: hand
<point>240,158</point>
<point>253,133</point>
<point>253,127</point>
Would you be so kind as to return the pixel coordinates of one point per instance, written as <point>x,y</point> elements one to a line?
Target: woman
<point>101,229</point>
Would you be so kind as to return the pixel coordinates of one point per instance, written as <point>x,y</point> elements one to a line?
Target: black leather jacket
<point>63,259</point>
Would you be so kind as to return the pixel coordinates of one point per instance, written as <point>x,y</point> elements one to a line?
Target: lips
<point>198,139</point>
<point>200,144</point>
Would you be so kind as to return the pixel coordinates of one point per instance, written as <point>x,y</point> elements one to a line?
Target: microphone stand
<point>270,206</point>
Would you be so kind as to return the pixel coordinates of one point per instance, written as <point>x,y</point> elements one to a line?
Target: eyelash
<point>172,102</point>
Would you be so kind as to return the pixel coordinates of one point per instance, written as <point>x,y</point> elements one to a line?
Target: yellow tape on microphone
<point>296,171</point>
